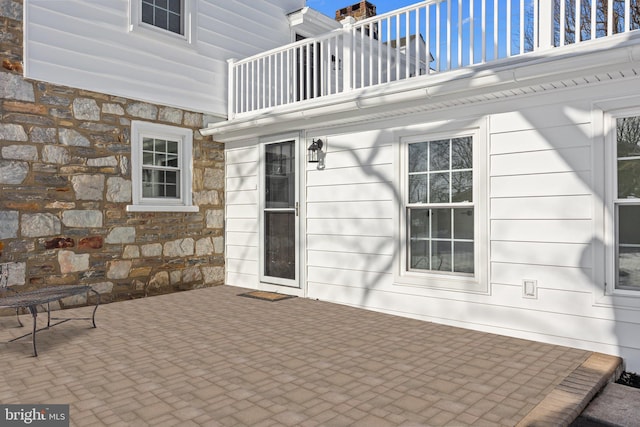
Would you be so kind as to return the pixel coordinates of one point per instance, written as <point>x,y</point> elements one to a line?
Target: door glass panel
<point>280,176</point>
<point>279,243</point>
<point>280,212</point>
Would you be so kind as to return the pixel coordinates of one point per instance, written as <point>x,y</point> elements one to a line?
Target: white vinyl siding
<point>87,44</point>
<point>350,205</point>
<point>243,219</point>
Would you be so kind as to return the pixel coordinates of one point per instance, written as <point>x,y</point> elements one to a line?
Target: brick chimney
<point>359,11</point>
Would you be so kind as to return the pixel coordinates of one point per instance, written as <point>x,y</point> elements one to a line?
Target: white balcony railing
<point>432,36</point>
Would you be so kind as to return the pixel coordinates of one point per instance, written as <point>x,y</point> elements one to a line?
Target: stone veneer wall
<point>65,182</point>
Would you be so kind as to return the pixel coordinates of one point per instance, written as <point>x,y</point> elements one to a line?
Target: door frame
<point>298,285</point>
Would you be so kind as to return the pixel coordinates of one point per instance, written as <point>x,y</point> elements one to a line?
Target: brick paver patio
<point>209,357</point>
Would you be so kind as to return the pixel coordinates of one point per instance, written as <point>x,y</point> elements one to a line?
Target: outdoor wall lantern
<point>314,150</point>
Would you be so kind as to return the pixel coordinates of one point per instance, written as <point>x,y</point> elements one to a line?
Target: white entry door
<point>279,222</point>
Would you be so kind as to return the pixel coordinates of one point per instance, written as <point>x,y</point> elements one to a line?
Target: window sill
<point>161,208</point>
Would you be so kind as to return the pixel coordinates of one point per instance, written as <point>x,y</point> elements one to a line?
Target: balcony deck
<point>425,46</point>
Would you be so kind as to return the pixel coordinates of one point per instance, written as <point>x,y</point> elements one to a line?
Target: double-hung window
<point>164,19</point>
<point>441,218</point>
<point>440,207</point>
<point>626,203</point>
<point>161,167</point>
<point>165,14</point>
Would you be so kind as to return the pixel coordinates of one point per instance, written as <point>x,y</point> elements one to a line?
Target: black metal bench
<point>32,299</point>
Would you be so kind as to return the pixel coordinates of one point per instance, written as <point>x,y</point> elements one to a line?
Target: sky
<point>329,7</point>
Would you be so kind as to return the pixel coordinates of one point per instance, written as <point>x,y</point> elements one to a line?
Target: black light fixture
<point>314,150</point>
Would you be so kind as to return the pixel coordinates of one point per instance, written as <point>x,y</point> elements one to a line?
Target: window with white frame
<point>626,202</point>
<point>165,14</point>
<point>440,206</point>
<point>442,222</point>
<point>174,18</point>
<point>161,167</point>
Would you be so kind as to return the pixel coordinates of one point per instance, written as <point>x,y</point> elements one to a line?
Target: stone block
<point>143,110</point>
<point>55,154</point>
<point>159,280</point>
<point>102,287</point>
<point>12,132</point>
<point>9,224</point>
<point>115,109</point>
<point>140,272</point>
<point>175,276</point>
<point>91,242</point>
<point>70,262</point>
<point>39,225</point>
<point>120,235</point>
<point>86,109</point>
<point>88,187</point>
<point>43,135</point>
<point>218,244</point>
<point>20,152</point>
<point>13,172</point>
<point>151,250</point>
<point>131,251</point>
<point>204,247</point>
<point>82,218</point>
<point>59,243</point>
<point>74,300</point>
<point>215,218</point>
<point>210,197</point>
<point>213,275</point>
<point>171,115</point>
<point>103,161</point>
<point>13,274</point>
<point>60,205</point>
<point>73,138</point>
<point>118,269</point>
<point>13,86</point>
<point>213,179</point>
<point>179,248</point>
<point>191,274</point>
<point>118,190</point>
<point>11,9</point>
<point>193,120</point>
<point>59,101</point>
<point>24,107</point>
